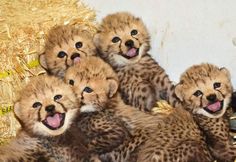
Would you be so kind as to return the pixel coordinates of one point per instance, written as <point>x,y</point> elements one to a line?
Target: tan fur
<point>162,137</point>
<point>36,141</point>
<point>64,38</point>
<point>23,148</point>
<point>106,132</point>
<point>215,125</point>
<point>43,90</point>
<point>142,80</point>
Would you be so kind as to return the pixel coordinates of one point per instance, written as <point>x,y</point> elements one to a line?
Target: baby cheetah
<point>123,41</point>
<point>206,90</point>
<point>65,46</point>
<point>166,137</point>
<point>45,110</point>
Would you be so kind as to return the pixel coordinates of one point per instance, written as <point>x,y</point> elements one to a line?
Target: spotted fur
<point>123,41</point>
<point>162,137</point>
<point>66,45</point>
<point>206,90</point>
<point>46,109</point>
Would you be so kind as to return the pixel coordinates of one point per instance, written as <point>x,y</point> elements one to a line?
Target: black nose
<point>129,43</point>
<point>50,108</point>
<point>211,97</point>
<point>74,55</point>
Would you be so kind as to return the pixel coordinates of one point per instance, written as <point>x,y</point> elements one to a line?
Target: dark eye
<point>36,105</point>
<point>61,54</point>
<point>197,93</point>
<point>115,39</point>
<point>216,85</point>
<point>78,44</point>
<point>134,32</point>
<point>57,97</point>
<point>71,82</point>
<point>88,90</point>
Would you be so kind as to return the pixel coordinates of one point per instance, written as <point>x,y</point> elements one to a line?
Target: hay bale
<point>23,25</point>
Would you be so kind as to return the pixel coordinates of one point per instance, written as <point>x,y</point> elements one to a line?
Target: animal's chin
<point>214,108</point>
<point>131,53</point>
<point>54,121</point>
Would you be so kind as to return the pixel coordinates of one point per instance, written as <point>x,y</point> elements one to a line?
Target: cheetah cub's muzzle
<point>132,50</point>
<point>54,120</point>
<point>214,105</point>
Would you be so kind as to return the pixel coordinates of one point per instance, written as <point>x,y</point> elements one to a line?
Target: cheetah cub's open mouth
<point>54,121</point>
<point>132,52</point>
<point>76,58</point>
<point>215,107</point>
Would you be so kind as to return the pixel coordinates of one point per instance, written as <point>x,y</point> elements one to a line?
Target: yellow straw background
<point>23,28</point>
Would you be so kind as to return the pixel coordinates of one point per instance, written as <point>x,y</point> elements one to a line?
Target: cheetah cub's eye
<point>216,85</point>
<point>197,93</point>
<point>78,45</point>
<point>61,54</point>
<point>36,105</point>
<point>134,32</point>
<point>88,90</point>
<point>71,82</point>
<point>57,97</point>
<point>115,39</point>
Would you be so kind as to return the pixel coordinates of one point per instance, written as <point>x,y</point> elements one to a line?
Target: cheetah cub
<point>45,110</point>
<point>94,120</point>
<point>162,137</point>
<point>205,91</point>
<point>123,41</point>
<point>65,45</point>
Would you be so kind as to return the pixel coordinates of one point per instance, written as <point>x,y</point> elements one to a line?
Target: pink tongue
<point>215,106</point>
<point>54,121</point>
<point>131,52</point>
<point>76,60</point>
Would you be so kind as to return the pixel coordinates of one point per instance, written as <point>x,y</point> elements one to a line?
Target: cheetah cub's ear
<point>178,92</point>
<point>225,71</point>
<point>113,87</point>
<point>96,39</point>
<point>42,61</point>
<point>17,109</point>
<point>17,112</point>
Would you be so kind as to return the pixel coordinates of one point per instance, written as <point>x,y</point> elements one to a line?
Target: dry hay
<point>23,24</point>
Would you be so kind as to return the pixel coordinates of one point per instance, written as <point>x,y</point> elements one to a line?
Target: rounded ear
<point>225,71</point>
<point>178,91</point>
<point>17,109</point>
<point>96,39</point>
<point>17,113</point>
<point>113,87</point>
<point>42,61</point>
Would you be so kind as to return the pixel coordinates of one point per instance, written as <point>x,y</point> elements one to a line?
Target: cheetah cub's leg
<point>186,151</point>
<point>165,89</point>
<point>139,94</point>
<point>127,152</point>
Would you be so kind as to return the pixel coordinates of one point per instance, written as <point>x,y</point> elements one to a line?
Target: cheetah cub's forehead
<point>94,82</point>
<point>46,106</point>
<point>121,21</point>
<point>66,45</point>
<point>204,72</point>
<point>206,89</point>
<point>122,39</point>
<point>91,68</point>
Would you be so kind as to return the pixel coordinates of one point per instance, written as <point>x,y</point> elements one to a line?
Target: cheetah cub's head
<point>46,106</point>
<point>205,89</point>
<point>122,39</point>
<point>65,46</point>
<point>94,83</point>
